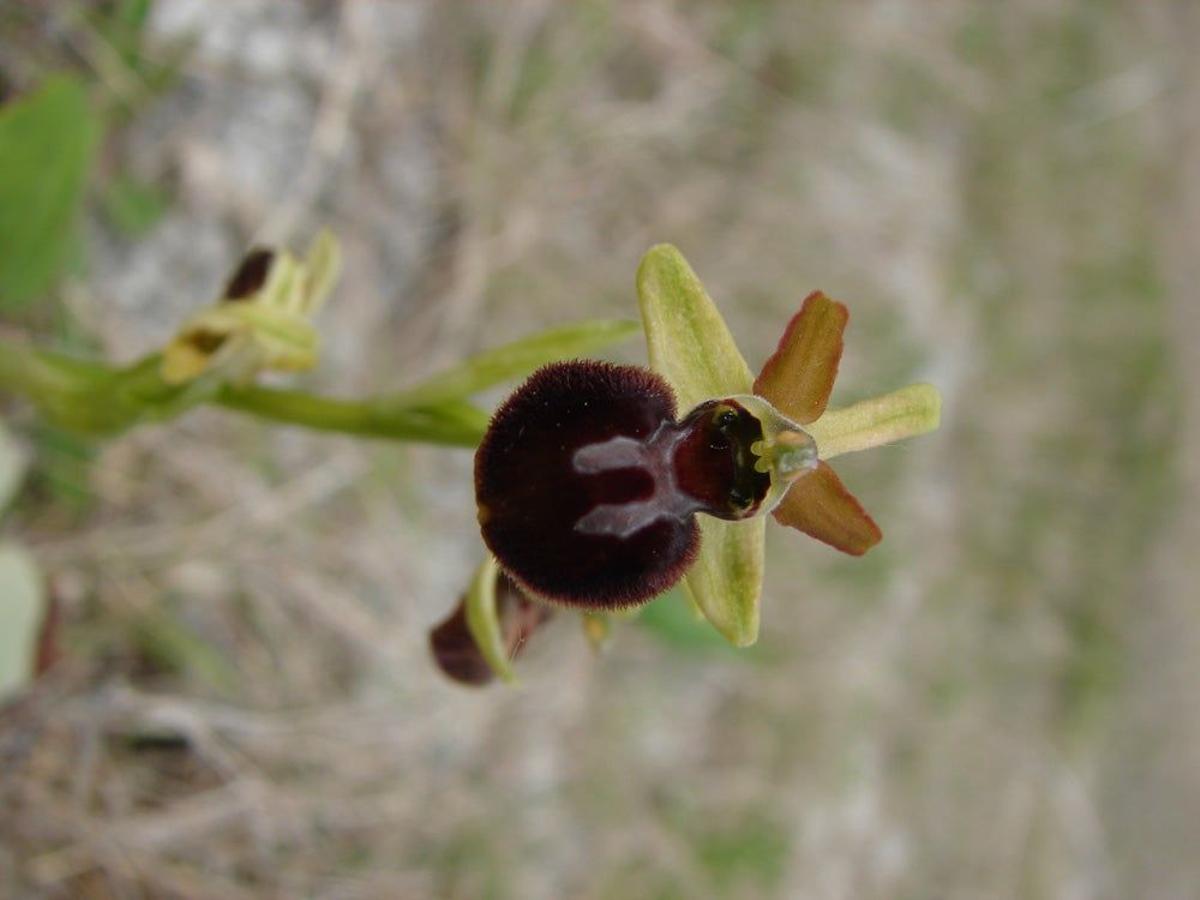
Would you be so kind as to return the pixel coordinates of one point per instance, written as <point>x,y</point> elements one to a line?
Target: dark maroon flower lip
<point>587,486</point>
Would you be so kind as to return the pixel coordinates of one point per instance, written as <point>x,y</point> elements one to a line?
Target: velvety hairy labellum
<point>587,486</point>
<point>454,649</point>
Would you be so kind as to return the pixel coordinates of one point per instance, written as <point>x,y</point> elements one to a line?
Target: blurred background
<point>998,702</point>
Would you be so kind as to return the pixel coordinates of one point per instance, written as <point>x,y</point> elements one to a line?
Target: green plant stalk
<point>18,368</point>
<point>456,425</point>
<point>74,393</point>
<point>99,399</point>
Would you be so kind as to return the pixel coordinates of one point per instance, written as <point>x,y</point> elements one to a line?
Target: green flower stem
<point>908,412</point>
<point>100,399</point>
<point>24,371</point>
<point>452,424</point>
<point>63,388</point>
<point>16,368</point>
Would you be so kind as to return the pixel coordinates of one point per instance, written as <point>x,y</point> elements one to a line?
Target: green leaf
<point>22,607</point>
<point>12,467</point>
<point>690,345</point>
<point>515,360</point>
<point>46,144</point>
<point>483,619</point>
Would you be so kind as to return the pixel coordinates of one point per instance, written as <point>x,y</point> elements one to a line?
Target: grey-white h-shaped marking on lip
<point>656,457</point>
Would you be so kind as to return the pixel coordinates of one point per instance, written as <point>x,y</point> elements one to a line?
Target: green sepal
<point>726,580</point>
<point>483,619</point>
<point>691,346</point>
<point>688,341</point>
<point>908,412</point>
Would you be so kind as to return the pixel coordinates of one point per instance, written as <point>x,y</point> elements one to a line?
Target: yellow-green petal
<point>690,345</point>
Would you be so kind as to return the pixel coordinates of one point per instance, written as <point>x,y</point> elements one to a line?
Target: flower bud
<point>455,649</point>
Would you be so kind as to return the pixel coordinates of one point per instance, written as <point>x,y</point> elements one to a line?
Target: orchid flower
<point>593,492</point>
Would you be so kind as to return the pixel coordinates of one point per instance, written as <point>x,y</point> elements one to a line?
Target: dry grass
<point>997,703</point>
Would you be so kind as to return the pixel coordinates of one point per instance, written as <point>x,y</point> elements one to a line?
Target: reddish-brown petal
<point>819,505</point>
<point>798,377</point>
